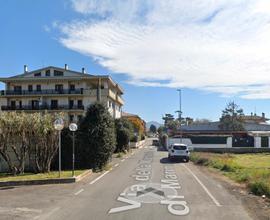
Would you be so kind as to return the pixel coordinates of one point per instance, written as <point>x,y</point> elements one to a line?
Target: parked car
<point>178,151</point>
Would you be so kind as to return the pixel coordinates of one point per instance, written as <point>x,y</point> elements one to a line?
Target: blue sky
<point>215,51</point>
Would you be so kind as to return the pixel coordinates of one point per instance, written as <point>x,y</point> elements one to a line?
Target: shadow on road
<point>6,187</point>
<point>167,161</point>
<point>161,148</point>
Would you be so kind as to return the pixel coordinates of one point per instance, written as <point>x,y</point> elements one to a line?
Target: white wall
<point>188,142</point>
<point>257,142</point>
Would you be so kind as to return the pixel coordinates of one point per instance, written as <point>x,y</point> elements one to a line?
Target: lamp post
<point>59,125</point>
<point>180,112</point>
<point>73,127</point>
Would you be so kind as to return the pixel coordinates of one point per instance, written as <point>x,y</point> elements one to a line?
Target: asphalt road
<point>143,186</point>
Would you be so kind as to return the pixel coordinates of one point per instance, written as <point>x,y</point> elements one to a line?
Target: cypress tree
<point>97,137</point>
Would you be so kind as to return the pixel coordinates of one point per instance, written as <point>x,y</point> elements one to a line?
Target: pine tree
<point>231,119</point>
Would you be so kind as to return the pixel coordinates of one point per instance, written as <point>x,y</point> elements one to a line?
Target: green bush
<point>142,137</point>
<point>241,177</point>
<point>135,139</point>
<point>259,188</point>
<point>122,139</point>
<point>97,137</point>
<point>199,160</point>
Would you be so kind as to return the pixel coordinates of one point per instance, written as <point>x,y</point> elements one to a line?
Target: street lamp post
<point>180,112</point>
<point>73,127</point>
<point>59,125</point>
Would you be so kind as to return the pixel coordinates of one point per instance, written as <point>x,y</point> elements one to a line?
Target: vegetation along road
<point>143,185</point>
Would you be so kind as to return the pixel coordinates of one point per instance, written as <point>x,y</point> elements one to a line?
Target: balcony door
<point>13,105</point>
<point>80,104</point>
<point>35,104</point>
<point>71,104</point>
<point>17,89</point>
<point>59,88</point>
<point>54,104</point>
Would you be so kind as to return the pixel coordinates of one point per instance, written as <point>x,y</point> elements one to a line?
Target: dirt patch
<point>257,207</point>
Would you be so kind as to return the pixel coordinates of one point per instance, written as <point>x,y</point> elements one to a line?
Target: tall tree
<point>24,134</point>
<point>153,128</point>
<point>97,137</point>
<point>124,132</point>
<point>173,125</point>
<point>201,121</point>
<point>231,119</point>
<point>161,130</point>
<point>167,118</point>
<point>44,144</point>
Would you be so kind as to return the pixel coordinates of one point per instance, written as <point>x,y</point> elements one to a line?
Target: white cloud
<point>218,46</point>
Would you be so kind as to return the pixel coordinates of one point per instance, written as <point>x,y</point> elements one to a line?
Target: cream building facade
<point>55,89</point>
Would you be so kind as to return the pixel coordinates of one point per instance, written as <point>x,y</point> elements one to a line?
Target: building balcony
<point>41,92</point>
<point>120,100</point>
<point>41,107</point>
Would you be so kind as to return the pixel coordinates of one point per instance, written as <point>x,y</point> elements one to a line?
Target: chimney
<point>25,68</point>
<point>66,67</point>
<point>83,70</point>
<point>263,115</point>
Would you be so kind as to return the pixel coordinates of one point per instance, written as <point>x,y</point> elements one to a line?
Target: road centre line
<point>98,178</point>
<point>77,193</point>
<point>116,165</point>
<point>203,186</point>
<point>122,160</point>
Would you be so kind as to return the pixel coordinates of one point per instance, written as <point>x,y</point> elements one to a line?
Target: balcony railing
<point>42,92</point>
<point>42,107</point>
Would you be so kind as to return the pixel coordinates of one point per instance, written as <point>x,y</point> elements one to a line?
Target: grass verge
<point>251,169</point>
<point>38,176</point>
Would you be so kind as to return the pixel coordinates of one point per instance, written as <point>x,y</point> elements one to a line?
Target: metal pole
<point>59,153</point>
<point>180,113</point>
<point>73,154</point>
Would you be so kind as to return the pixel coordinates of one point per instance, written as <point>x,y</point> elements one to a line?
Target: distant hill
<point>148,124</point>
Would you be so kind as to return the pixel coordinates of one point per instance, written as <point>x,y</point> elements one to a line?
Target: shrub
<point>122,139</point>
<point>259,187</point>
<point>97,137</point>
<point>135,139</point>
<point>124,123</point>
<point>142,137</point>
<point>31,135</point>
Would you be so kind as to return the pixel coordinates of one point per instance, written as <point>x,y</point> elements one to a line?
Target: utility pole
<point>180,112</point>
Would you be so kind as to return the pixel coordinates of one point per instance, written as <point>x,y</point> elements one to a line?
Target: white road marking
<point>122,160</point>
<point>116,165</point>
<point>47,215</point>
<point>27,210</point>
<point>19,209</point>
<point>77,193</point>
<point>203,186</point>
<point>98,178</point>
<point>132,205</point>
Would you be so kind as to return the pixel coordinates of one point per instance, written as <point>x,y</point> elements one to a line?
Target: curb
<point>46,181</point>
<point>83,175</point>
